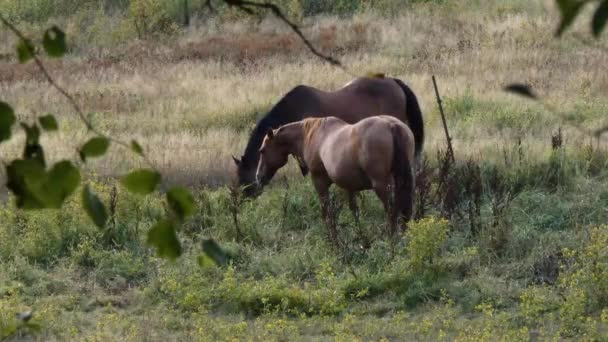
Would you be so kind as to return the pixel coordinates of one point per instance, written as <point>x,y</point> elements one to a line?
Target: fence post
<point>445,125</point>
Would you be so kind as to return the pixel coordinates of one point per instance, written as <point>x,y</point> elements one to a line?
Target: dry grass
<point>192,101</point>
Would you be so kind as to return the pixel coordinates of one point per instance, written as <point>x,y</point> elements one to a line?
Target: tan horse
<point>359,99</point>
<point>375,153</point>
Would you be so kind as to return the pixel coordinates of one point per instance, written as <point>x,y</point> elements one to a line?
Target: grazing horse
<point>359,99</point>
<point>374,153</point>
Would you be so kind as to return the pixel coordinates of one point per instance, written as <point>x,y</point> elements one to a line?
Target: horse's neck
<point>290,108</point>
<point>295,139</point>
<point>252,154</point>
<point>313,139</point>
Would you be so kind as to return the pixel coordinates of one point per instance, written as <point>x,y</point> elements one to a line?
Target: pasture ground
<point>520,254</point>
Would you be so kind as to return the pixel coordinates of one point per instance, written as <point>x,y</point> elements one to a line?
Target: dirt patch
<point>14,72</point>
<point>246,48</point>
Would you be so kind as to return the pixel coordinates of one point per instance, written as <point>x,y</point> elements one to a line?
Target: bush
<point>150,16</point>
<point>586,273</point>
<point>425,239</point>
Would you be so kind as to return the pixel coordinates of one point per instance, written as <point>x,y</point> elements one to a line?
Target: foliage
<point>585,280</point>
<point>85,275</point>
<point>425,239</point>
<point>570,9</point>
<point>149,16</point>
<point>439,282</point>
<point>35,187</point>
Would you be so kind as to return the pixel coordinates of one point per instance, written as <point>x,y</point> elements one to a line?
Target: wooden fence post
<point>445,125</point>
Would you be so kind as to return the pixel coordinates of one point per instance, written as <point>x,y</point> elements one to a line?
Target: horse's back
<point>363,98</point>
<point>390,123</point>
<point>354,155</point>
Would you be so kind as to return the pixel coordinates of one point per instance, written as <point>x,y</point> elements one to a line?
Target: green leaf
<point>143,181</point>
<point>136,147</point>
<point>215,252</point>
<point>32,133</point>
<point>181,201</point>
<point>599,18</point>
<point>95,147</point>
<point>25,51</point>
<point>24,179</point>
<point>205,261</point>
<point>61,182</point>
<point>7,120</point>
<point>54,42</point>
<point>521,89</point>
<point>94,207</point>
<point>569,10</point>
<point>48,123</point>
<point>163,237</point>
<point>34,188</point>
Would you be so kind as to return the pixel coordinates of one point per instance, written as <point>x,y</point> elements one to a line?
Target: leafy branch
<point>35,187</point>
<point>55,45</point>
<point>570,9</point>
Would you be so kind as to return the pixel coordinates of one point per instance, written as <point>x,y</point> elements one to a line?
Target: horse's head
<point>273,156</point>
<point>245,172</point>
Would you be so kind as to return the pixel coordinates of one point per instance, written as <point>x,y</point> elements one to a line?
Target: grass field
<point>510,243</point>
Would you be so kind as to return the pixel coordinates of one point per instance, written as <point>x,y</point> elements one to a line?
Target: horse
<point>361,98</point>
<point>375,153</point>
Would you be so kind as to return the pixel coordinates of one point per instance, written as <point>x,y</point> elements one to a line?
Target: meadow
<point>510,241</point>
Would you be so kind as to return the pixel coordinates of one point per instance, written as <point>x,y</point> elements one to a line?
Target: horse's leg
<point>322,184</point>
<point>407,209</point>
<point>352,203</point>
<point>406,196</point>
<point>383,191</point>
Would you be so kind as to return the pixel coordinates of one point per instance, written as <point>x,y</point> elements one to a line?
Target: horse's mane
<point>309,126</point>
<point>280,114</point>
<point>376,75</point>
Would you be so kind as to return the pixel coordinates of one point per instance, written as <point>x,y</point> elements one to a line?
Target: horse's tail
<point>414,117</point>
<point>403,175</point>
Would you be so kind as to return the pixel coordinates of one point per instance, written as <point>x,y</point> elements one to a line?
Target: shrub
<point>425,240</point>
<point>584,282</point>
<point>535,302</point>
<point>150,16</point>
<point>588,270</point>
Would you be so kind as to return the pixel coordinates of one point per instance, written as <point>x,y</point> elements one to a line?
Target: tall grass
<point>509,241</point>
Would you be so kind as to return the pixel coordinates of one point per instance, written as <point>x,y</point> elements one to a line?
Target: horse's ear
<point>270,133</point>
<point>236,161</point>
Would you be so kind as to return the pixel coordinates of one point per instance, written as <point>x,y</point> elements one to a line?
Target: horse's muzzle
<point>261,182</point>
<point>251,190</point>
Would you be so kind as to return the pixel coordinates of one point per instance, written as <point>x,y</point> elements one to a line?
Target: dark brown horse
<point>375,153</point>
<point>359,99</point>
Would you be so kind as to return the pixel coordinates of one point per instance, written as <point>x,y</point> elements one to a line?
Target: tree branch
<point>246,6</point>
<point>48,76</point>
<point>64,92</point>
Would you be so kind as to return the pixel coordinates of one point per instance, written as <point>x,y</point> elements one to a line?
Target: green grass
<point>524,258</point>
<point>519,278</point>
